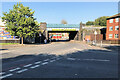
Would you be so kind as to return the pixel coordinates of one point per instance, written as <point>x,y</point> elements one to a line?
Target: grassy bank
<point>8,43</point>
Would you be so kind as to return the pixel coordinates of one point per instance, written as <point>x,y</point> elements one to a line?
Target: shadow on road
<point>17,58</point>
<point>25,57</point>
<point>114,48</point>
<point>3,49</point>
<point>72,66</point>
<point>91,53</point>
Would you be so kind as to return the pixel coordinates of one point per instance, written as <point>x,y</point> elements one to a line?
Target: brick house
<point>113,28</point>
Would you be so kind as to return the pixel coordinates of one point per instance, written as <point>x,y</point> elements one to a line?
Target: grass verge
<point>8,43</point>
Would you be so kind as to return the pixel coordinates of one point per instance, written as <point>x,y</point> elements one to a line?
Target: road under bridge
<point>60,32</point>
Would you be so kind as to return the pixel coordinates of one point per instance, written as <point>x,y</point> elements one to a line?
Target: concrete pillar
<point>83,36</point>
<point>46,34</point>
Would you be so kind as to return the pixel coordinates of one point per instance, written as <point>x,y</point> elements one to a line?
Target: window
<point>110,35</point>
<point>116,19</point>
<point>110,28</point>
<point>116,27</point>
<point>116,35</point>
<point>111,21</point>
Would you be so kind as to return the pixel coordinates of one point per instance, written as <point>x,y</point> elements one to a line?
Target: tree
<point>63,22</point>
<point>20,21</point>
<point>101,21</point>
<point>90,23</point>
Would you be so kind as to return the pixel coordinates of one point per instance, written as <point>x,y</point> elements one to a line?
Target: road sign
<point>95,32</point>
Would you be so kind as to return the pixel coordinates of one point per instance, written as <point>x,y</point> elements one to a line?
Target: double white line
<point>28,65</point>
<point>23,70</point>
<point>14,69</point>
<point>6,76</point>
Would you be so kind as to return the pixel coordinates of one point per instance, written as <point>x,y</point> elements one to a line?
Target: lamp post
<point>95,36</point>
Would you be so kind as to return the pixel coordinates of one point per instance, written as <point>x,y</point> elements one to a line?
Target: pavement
<point>115,47</point>
<point>60,60</point>
<point>56,48</point>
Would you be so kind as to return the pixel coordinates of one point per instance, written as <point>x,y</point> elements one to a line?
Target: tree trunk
<point>22,40</point>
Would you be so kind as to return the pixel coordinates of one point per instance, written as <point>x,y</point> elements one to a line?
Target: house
<point>113,28</point>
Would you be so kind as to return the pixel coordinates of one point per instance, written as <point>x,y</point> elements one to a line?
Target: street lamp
<point>95,36</point>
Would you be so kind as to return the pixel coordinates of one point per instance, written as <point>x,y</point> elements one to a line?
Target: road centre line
<point>96,60</point>
<point>71,58</point>
<point>37,62</point>
<point>6,76</point>
<point>27,65</point>
<point>1,73</point>
<point>21,70</point>
<point>35,66</point>
<point>78,59</point>
<point>44,63</point>
<point>87,59</point>
<point>14,69</point>
<point>52,60</point>
<point>46,60</point>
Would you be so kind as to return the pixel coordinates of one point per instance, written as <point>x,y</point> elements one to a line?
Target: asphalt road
<point>85,63</point>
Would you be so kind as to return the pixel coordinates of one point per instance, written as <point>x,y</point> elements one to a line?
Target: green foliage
<point>90,23</point>
<point>20,21</point>
<point>8,43</point>
<point>101,21</point>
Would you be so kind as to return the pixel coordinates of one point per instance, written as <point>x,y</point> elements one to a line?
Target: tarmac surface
<point>60,60</point>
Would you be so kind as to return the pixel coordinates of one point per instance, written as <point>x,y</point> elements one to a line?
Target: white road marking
<point>79,59</point>
<point>71,58</point>
<point>96,60</point>
<point>14,69</point>
<point>75,74</point>
<point>27,65</point>
<point>52,60</point>
<point>1,73</point>
<point>21,70</point>
<point>46,60</point>
<point>35,66</point>
<point>6,76</point>
<point>37,62</point>
<point>44,63</point>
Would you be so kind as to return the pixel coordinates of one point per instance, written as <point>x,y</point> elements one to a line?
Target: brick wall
<point>91,37</point>
<point>114,31</point>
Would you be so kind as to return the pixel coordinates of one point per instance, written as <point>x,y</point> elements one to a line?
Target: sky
<point>72,12</point>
